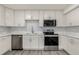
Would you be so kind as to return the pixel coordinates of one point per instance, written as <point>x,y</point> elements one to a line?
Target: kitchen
<point>42,29</point>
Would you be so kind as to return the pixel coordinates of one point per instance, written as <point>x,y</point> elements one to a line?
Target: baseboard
<point>32,49</point>
<point>5,52</point>
<point>66,51</point>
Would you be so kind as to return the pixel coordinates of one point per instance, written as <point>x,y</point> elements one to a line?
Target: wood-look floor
<point>23,52</point>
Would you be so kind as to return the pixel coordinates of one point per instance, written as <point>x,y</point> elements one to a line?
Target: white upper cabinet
<point>49,15</point>
<point>2,14</point>
<point>59,18</point>
<point>35,15</point>
<point>41,18</point>
<point>32,15</point>
<point>9,17</point>
<point>52,14</point>
<point>73,17</point>
<point>19,17</point>
<point>28,15</point>
<point>46,15</point>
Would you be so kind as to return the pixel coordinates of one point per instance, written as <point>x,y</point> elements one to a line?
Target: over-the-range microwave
<point>49,23</point>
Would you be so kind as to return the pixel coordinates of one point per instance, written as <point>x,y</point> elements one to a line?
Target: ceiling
<point>37,6</point>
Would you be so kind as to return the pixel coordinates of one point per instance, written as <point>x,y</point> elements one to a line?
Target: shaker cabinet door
<point>59,18</point>
<point>41,18</point>
<point>35,15</point>
<point>26,42</point>
<point>34,43</point>
<point>40,42</point>
<point>49,15</point>
<point>19,18</point>
<point>28,15</point>
<point>9,17</point>
<point>2,15</point>
<point>5,44</point>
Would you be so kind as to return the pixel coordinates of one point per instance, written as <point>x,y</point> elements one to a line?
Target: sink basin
<point>38,33</point>
<point>28,32</point>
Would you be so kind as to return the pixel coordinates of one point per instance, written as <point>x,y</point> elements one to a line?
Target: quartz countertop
<point>70,34</point>
<point>4,34</point>
<point>21,33</point>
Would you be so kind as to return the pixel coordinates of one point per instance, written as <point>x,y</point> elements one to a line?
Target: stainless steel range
<point>50,39</point>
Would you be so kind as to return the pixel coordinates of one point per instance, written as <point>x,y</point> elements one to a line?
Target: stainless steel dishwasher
<point>17,42</point>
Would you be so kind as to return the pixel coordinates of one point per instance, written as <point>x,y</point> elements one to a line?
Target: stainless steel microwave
<point>49,23</point>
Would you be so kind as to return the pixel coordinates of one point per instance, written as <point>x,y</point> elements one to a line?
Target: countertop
<point>70,34</point>
<point>4,34</point>
<point>20,33</point>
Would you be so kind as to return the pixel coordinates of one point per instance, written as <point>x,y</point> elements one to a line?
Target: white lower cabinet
<point>32,42</point>
<point>26,42</point>
<point>40,42</point>
<point>5,44</point>
<point>61,42</point>
<point>73,46</point>
<point>66,44</point>
<point>70,44</point>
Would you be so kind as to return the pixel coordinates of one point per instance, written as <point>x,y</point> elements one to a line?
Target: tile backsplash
<point>67,30</point>
<point>36,28</point>
<point>4,30</point>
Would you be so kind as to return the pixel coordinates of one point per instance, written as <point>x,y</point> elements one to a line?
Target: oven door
<point>51,41</point>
